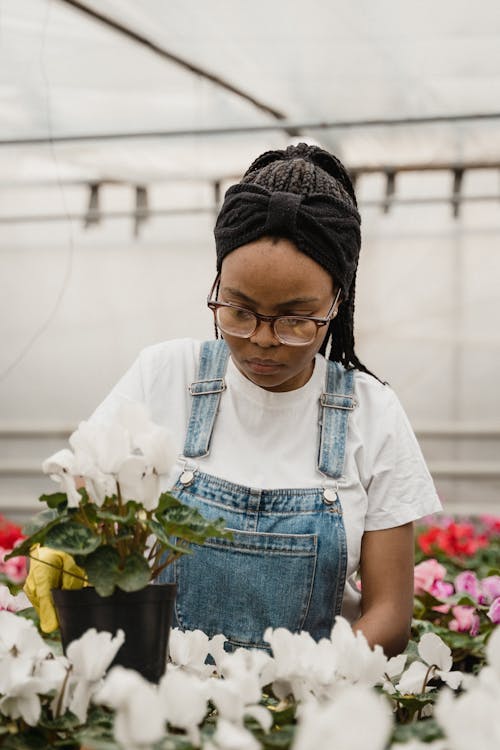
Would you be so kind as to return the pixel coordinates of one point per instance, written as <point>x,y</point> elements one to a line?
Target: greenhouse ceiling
<point>121,91</point>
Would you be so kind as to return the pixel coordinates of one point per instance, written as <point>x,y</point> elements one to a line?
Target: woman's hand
<point>387,561</point>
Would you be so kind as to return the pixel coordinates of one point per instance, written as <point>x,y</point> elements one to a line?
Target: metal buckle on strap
<point>210,389</point>
<point>343,399</point>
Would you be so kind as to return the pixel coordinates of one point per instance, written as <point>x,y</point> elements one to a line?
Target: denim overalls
<point>286,564</point>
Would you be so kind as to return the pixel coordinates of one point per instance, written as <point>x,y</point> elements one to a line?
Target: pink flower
<point>468,583</point>
<point>490,587</point>
<point>15,569</point>
<point>466,620</point>
<point>441,589</point>
<point>492,523</point>
<point>428,576</point>
<point>494,611</point>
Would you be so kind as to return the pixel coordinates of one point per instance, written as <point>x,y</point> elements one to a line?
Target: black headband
<point>320,225</point>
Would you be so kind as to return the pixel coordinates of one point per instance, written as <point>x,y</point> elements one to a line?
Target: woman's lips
<point>263,366</point>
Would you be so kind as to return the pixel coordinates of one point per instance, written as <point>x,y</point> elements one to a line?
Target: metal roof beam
<point>183,63</point>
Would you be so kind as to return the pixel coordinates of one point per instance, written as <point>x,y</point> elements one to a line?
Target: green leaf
<point>67,721</point>
<point>39,521</point>
<point>128,517</point>
<point>54,500</point>
<point>31,739</point>
<point>165,502</point>
<point>37,530</point>
<point>73,538</point>
<point>462,598</point>
<point>102,567</point>
<point>136,573</point>
<point>157,529</point>
<point>281,739</point>
<point>188,524</point>
<point>425,730</point>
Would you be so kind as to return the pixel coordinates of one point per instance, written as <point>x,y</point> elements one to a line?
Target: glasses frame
<point>214,305</point>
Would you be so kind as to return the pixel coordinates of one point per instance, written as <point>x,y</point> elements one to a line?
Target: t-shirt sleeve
<point>400,489</point>
<point>159,379</point>
<point>130,387</point>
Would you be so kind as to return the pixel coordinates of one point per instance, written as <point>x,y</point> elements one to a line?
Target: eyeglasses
<point>294,330</point>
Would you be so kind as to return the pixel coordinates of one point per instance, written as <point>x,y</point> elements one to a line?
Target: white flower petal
<point>157,447</point>
<point>229,736</point>
<point>435,651</point>
<point>139,709</point>
<point>93,652</point>
<point>396,665</point>
<point>185,698</point>
<point>356,720</point>
<point>452,679</point>
<point>262,715</point>
<point>139,482</point>
<point>493,651</point>
<point>412,679</point>
<point>62,462</point>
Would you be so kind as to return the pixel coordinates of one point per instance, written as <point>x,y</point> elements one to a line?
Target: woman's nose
<point>264,334</point>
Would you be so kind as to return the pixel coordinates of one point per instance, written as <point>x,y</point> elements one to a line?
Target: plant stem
<point>61,570</point>
<point>430,670</point>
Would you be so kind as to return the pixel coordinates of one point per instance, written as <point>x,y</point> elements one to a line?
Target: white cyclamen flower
<point>20,690</point>
<point>238,694</point>
<point>139,481</point>
<point>296,657</point>
<point>437,662</point>
<point>189,650</point>
<point>393,670</point>
<point>356,720</point>
<point>23,673</point>
<point>470,720</point>
<point>20,637</point>
<point>101,445</point>
<point>140,713</point>
<point>356,662</point>
<point>62,468</point>
<point>185,699</point>
<point>90,657</point>
<point>154,442</point>
<point>248,661</point>
<point>11,602</point>
<point>229,736</point>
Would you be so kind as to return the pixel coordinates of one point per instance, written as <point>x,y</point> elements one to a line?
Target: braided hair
<point>303,194</point>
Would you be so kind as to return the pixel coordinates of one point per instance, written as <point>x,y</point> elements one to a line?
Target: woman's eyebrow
<point>288,303</point>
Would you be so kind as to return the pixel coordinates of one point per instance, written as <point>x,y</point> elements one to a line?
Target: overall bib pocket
<point>256,580</point>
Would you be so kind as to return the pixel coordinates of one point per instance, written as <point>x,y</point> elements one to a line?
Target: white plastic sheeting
<point>77,304</point>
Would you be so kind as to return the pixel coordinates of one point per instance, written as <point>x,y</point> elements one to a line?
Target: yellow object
<point>50,569</point>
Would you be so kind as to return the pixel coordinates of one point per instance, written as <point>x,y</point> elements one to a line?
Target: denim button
<point>329,496</point>
<point>186,477</point>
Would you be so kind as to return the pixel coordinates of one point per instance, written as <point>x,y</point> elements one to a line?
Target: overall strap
<point>206,391</point>
<point>335,405</point>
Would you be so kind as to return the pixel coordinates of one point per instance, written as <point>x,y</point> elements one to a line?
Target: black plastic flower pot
<point>144,616</point>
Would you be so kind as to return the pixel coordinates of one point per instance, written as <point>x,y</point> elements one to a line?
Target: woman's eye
<point>292,322</point>
<point>239,314</point>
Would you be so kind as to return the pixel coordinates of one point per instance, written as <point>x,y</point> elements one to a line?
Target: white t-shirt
<point>268,440</point>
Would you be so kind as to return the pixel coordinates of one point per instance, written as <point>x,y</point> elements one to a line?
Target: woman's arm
<point>387,587</point>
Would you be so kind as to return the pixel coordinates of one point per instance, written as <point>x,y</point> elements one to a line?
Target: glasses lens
<point>236,321</point>
<point>295,330</point>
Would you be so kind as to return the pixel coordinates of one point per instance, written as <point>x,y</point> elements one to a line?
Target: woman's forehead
<point>274,271</point>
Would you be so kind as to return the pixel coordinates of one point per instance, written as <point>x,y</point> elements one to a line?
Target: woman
<point>311,461</point>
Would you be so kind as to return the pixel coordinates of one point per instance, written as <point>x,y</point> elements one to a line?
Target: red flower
<point>9,534</point>
<point>455,540</point>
